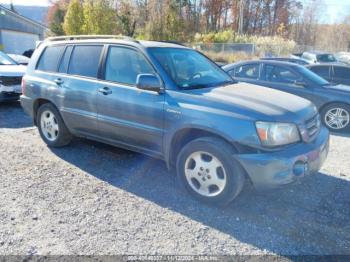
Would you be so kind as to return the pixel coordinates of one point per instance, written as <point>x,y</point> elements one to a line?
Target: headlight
<point>277,134</point>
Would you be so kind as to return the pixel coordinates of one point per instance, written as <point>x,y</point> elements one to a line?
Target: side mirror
<point>149,82</point>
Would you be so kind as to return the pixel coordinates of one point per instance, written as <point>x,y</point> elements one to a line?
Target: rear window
<point>321,70</point>
<point>85,60</point>
<point>50,58</point>
<point>342,72</point>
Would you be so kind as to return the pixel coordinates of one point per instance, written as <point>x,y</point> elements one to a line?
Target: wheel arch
<point>37,103</point>
<point>185,135</point>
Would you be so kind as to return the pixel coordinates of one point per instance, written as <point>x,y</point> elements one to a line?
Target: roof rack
<point>87,37</point>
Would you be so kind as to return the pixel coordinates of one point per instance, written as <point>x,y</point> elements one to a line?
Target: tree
<point>125,13</point>
<point>99,17</point>
<point>55,17</point>
<point>74,19</point>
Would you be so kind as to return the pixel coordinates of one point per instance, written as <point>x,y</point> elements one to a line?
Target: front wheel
<point>206,168</point>
<point>336,117</point>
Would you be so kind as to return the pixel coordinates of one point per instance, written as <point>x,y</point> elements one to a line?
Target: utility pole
<point>241,14</point>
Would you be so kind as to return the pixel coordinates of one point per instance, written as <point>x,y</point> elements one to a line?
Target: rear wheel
<point>51,126</point>
<point>336,117</point>
<point>208,171</point>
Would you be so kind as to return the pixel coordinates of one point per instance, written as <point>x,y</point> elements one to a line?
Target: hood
<point>12,70</point>
<point>343,88</point>
<point>258,103</point>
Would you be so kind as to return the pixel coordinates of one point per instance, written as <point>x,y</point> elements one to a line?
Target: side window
<point>321,70</point>
<point>123,65</point>
<point>85,60</point>
<point>248,71</point>
<point>65,60</point>
<point>342,72</point>
<point>50,58</point>
<point>281,75</point>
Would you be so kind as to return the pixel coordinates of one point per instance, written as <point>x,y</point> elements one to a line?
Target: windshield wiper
<point>195,87</point>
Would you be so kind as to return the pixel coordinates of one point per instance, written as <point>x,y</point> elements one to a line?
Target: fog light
<point>300,168</point>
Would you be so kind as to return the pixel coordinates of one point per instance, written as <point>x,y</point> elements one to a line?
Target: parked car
<point>335,74</point>
<point>171,102</point>
<point>332,101</point>
<point>286,59</point>
<point>20,59</point>
<point>11,75</point>
<point>316,57</point>
<point>343,57</point>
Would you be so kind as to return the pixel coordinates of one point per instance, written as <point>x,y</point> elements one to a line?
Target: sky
<point>334,10</point>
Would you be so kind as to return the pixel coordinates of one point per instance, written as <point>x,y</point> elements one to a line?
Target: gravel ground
<point>90,198</point>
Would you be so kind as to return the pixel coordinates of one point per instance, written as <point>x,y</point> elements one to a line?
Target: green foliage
<point>99,17</point>
<point>74,19</point>
<point>56,24</point>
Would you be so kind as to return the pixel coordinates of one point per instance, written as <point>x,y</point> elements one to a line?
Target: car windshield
<point>189,69</point>
<point>6,60</point>
<point>308,74</point>
<point>326,58</point>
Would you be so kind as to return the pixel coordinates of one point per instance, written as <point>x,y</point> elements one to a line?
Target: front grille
<point>10,80</point>
<point>312,126</point>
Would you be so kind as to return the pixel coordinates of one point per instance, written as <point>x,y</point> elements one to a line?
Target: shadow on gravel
<point>307,218</point>
<point>12,116</point>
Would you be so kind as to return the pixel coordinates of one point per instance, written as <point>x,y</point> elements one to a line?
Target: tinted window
<point>321,70</point>
<point>247,71</point>
<point>50,58</point>
<point>123,65</point>
<point>85,61</point>
<point>326,58</point>
<point>342,72</point>
<point>311,76</point>
<point>65,60</point>
<point>280,74</point>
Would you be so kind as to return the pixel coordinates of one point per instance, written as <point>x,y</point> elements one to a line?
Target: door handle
<point>105,91</point>
<point>59,81</point>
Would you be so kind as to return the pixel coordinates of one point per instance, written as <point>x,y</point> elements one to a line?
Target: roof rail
<point>87,37</point>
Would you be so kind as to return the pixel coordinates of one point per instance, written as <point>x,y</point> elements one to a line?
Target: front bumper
<point>272,169</point>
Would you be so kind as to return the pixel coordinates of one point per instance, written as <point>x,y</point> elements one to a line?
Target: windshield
<point>308,74</point>
<point>326,58</point>
<point>189,69</point>
<point>6,60</point>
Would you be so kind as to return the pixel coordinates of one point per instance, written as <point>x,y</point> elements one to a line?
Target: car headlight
<point>277,134</point>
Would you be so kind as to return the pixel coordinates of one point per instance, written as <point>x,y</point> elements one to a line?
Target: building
<point>18,33</point>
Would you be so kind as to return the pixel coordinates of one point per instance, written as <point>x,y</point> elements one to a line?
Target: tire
<point>222,183</point>
<point>336,117</point>
<point>51,126</point>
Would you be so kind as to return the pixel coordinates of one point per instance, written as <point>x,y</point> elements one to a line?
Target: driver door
<point>127,115</point>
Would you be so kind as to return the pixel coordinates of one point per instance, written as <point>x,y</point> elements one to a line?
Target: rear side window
<point>321,70</point>
<point>248,71</point>
<point>50,58</point>
<point>65,60</point>
<point>280,75</point>
<point>342,72</point>
<point>85,60</point>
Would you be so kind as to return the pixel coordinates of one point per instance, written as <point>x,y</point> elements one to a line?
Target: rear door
<point>78,82</point>
<point>127,115</point>
<point>341,75</point>
<point>287,80</point>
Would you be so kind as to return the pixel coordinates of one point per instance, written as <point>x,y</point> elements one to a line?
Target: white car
<point>11,75</point>
<point>20,59</point>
